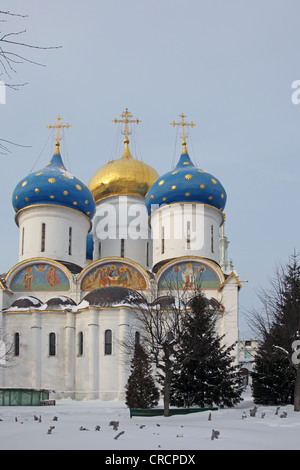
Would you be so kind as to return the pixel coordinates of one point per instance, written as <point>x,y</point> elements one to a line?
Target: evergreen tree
<point>208,376</point>
<point>273,380</point>
<point>141,391</point>
<point>275,377</point>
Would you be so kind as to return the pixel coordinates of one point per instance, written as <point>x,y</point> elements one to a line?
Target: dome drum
<point>182,229</point>
<point>122,218</point>
<point>53,232</point>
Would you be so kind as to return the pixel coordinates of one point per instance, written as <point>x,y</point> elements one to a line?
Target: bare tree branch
<point>10,58</point>
<point>12,14</point>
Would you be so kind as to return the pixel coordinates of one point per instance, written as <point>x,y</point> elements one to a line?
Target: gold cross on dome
<point>58,127</point>
<point>126,119</point>
<point>183,124</point>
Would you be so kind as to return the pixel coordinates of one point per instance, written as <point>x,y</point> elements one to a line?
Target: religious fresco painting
<point>40,277</point>
<point>188,276</point>
<point>114,274</point>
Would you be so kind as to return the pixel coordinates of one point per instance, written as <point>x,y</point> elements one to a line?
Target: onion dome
<point>113,296</point>
<point>53,185</point>
<point>123,176</point>
<point>186,183</point>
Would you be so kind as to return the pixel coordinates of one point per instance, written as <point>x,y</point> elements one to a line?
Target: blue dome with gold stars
<point>54,185</point>
<point>186,183</point>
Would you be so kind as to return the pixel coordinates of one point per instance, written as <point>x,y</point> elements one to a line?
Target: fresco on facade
<point>113,274</point>
<point>189,276</point>
<point>40,277</point>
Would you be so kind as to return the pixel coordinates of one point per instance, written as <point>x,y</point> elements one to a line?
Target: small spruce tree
<point>273,379</point>
<point>141,391</point>
<point>208,376</point>
<point>276,378</point>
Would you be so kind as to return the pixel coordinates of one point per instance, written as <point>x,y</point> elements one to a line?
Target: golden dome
<point>124,176</point>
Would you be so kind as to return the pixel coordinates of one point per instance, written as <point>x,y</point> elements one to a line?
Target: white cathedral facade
<point>89,254</point>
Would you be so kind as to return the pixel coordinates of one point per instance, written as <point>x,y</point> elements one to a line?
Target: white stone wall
<point>95,374</point>
<point>185,230</point>
<point>122,218</point>
<point>58,221</point>
<point>91,375</point>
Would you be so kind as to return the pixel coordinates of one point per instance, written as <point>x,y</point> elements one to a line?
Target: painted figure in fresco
<point>188,277</point>
<point>28,278</point>
<point>39,277</point>
<point>52,278</point>
<point>104,281</point>
<point>123,276</point>
<point>114,275</point>
<point>40,268</point>
<point>135,280</point>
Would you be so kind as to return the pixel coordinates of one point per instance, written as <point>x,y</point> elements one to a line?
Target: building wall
<point>57,222</point>
<point>121,229</point>
<point>89,373</point>
<point>186,230</point>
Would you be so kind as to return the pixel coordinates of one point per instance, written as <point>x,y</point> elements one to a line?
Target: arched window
<point>17,344</point>
<point>107,342</point>
<point>52,344</point>
<point>80,343</point>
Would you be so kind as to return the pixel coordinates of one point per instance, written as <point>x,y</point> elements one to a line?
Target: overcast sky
<point>228,65</point>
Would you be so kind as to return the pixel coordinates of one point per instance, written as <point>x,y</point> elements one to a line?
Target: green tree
<point>209,376</point>
<point>141,391</point>
<point>276,376</point>
<point>273,380</point>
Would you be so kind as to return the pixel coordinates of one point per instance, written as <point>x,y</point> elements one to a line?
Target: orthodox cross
<point>183,124</point>
<point>126,119</point>
<point>58,127</point>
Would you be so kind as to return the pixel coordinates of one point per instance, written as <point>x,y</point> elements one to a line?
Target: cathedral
<point>89,253</point>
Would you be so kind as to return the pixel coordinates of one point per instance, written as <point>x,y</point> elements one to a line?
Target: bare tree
<point>6,350</point>
<point>162,324</point>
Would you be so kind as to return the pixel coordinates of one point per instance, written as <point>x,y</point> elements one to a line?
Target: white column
<point>122,355</point>
<point>36,349</point>
<point>93,335</point>
<point>70,355</point>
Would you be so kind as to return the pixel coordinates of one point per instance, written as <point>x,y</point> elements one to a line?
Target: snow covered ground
<point>20,430</point>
